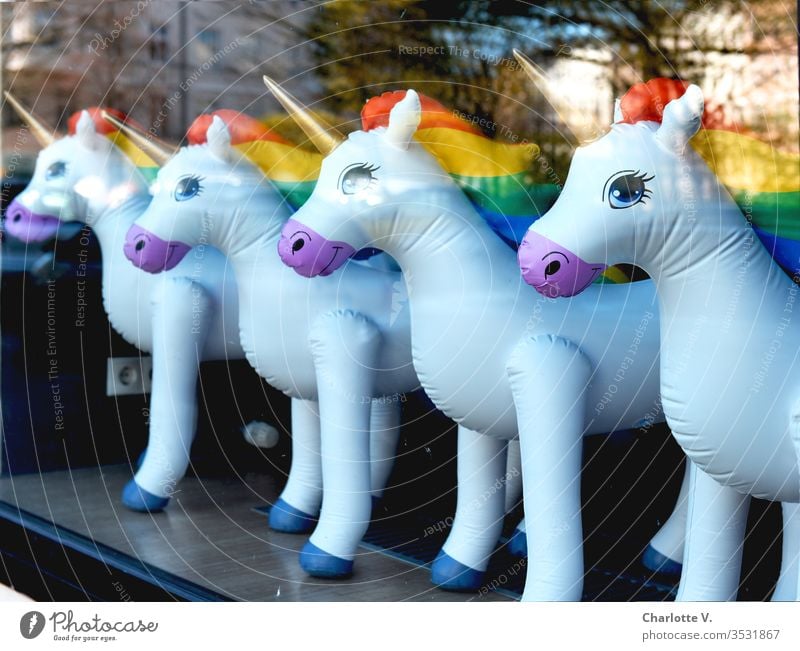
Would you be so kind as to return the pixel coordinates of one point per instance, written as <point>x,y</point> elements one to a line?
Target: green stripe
<point>149,173</point>
<point>296,193</point>
<point>777,213</point>
<point>513,194</point>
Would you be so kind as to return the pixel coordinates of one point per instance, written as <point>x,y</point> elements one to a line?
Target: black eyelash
<point>369,168</point>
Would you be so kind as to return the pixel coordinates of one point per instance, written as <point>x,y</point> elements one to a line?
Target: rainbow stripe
<point>765,183</point>
<point>497,178</point>
<point>494,175</point>
<point>147,166</point>
<point>294,171</point>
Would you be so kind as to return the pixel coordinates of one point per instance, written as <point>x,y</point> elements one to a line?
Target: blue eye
<point>187,187</point>
<point>357,178</point>
<point>628,188</point>
<point>56,170</point>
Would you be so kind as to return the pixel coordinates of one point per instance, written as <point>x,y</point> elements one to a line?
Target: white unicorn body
<point>343,343</point>
<point>187,316</point>
<point>494,357</point>
<point>730,342</point>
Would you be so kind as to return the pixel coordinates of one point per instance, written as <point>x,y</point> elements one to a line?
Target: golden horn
<point>323,136</point>
<point>43,134</point>
<point>157,150</point>
<point>581,131</point>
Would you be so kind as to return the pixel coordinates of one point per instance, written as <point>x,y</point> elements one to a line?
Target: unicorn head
<point>631,196</point>
<point>77,178</point>
<point>365,182</point>
<point>197,198</point>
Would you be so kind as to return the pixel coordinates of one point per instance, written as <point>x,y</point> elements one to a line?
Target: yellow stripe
<point>745,163</point>
<point>281,162</point>
<point>467,154</point>
<point>616,275</point>
<point>132,151</point>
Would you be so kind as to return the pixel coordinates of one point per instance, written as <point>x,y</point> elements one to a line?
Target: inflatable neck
<point>710,250</point>
<point>111,223</point>
<point>248,230</point>
<point>439,236</point>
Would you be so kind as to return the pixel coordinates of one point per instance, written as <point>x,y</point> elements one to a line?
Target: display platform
<point>65,535</point>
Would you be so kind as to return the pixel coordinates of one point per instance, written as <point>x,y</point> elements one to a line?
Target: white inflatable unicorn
<point>183,318</point>
<point>730,371</point>
<point>490,354</point>
<point>341,343</point>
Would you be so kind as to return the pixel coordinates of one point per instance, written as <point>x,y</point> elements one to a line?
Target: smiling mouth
<point>553,291</point>
<point>336,250</point>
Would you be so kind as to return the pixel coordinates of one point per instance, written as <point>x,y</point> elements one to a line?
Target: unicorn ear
<point>681,119</point>
<point>219,139</point>
<point>85,131</point>
<point>404,119</point>
<point>617,110</point>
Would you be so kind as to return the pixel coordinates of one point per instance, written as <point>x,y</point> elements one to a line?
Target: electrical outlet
<point>129,375</point>
<point>260,434</point>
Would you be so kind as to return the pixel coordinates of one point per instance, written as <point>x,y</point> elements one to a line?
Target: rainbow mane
<point>146,165</point>
<point>494,175</point>
<point>763,181</point>
<point>292,170</point>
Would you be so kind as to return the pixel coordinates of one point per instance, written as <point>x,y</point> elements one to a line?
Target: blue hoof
<point>137,498</point>
<point>518,544</point>
<point>317,562</point>
<point>655,561</point>
<point>285,518</point>
<point>448,574</point>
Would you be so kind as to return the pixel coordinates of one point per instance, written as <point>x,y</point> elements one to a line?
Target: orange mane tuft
<point>242,127</point>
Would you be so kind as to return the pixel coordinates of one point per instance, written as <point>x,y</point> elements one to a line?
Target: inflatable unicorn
<point>491,355</point>
<point>730,371</point>
<point>343,343</point>
<point>185,316</point>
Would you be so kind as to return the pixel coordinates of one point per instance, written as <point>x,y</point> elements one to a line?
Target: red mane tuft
<point>646,101</point>
<point>242,127</point>
<point>100,125</point>
<point>376,113</point>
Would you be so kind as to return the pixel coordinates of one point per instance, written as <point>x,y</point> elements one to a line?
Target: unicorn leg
<point>384,432</point>
<point>181,314</point>
<point>513,475</point>
<point>345,349</point>
<point>478,521</point>
<point>788,586</point>
<point>665,551</point>
<point>791,527</point>
<point>517,544</point>
<point>548,378</point>
<point>296,510</point>
<point>715,526</point>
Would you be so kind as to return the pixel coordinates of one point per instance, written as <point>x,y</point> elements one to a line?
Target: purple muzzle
<point>553,270</point>
<point>310,254</point>
<point>29,226</point>
<point>150,253</point>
